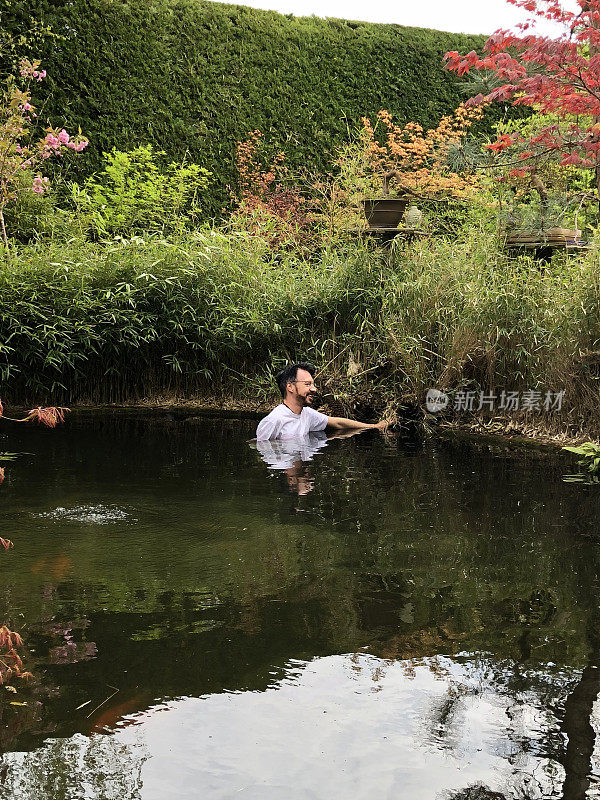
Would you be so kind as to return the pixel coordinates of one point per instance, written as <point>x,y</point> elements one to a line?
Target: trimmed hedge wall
<point>193,76</point>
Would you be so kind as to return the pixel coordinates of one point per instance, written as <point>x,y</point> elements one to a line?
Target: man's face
<point>303,387</point>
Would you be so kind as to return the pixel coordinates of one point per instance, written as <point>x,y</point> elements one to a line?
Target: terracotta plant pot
<point>384,212</point>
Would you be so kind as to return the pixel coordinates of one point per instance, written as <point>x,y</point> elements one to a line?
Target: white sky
<point>459,16</point>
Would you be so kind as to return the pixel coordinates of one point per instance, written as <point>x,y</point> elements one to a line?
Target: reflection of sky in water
<point>284,453</point>
<point>350,726</point>
<point>207,580</point>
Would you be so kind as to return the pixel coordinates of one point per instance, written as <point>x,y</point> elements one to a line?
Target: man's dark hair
<point>288,374</point>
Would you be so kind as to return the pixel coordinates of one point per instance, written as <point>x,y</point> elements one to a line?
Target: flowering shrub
<point>133,195</point>
<point>18,153</point>
<point>266,206</point>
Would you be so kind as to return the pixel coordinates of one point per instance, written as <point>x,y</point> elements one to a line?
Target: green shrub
<point>30,215</point>
<point>132,195</point>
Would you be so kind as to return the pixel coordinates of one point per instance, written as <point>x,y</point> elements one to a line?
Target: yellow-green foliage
<point>132,194</point>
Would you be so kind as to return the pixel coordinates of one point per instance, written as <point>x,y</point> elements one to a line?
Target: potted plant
<point>427,165</point>
<point>385,212</point>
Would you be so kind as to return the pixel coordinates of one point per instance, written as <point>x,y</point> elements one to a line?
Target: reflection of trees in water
<point>526,731</point>
<point>577,720</point>
<point>475,792</point>
<point>63,767</point>
<point>581,737</point>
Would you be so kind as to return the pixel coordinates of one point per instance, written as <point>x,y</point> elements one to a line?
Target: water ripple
<point>95,515</point>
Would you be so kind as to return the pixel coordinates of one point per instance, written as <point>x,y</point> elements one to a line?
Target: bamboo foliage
<point>137,318</point>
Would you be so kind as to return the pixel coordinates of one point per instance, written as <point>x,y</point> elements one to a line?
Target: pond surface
<point>209,620</point>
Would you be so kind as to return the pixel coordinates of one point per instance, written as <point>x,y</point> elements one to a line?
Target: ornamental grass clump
<point>464,313</point>
<point>211,312</point>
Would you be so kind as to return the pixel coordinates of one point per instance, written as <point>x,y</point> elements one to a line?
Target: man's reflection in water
<point>291,456</point>
<point>299,479</point>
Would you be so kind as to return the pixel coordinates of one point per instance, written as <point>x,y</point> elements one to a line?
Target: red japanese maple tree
<point>558,76</point>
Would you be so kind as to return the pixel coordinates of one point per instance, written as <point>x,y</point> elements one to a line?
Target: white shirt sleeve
<point>267,429</point>
<point>318,421</point>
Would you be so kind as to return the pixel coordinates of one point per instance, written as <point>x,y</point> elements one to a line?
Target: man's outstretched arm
<point>344,424</point>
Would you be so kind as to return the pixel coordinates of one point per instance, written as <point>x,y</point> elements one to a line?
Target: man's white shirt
<point>282,423</point>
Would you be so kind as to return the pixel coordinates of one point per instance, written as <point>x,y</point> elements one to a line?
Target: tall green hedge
<point>193,76</point>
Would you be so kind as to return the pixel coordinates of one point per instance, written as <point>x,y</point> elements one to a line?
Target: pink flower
<point>63,137</point>
<point>27,107</point>
<point>41,75</point>
<point>78,146</point>
<point>52,141</point>
<point>39,187</point>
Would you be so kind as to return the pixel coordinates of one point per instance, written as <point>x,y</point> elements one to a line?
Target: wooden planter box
<point>550,236</point>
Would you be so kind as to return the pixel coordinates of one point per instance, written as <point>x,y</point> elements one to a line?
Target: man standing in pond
<point>294,417</point>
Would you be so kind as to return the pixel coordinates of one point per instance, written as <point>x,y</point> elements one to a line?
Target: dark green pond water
<point>372,623</point>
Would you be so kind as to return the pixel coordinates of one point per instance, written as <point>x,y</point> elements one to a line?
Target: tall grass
<point>138,318</point>
<point>466,313</point>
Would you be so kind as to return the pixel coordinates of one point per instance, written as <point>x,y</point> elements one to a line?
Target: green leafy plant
<point>132,195</point>
<point>589,460</point>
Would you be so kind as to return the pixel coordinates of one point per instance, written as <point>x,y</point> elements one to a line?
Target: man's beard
<point>312,399</point>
